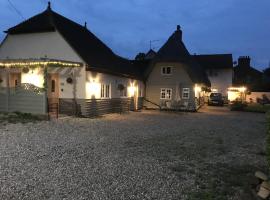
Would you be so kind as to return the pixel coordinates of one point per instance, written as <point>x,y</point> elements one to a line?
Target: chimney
<point>244,61</point>
<point>49,5</point>
<point>179,32</point>
<point>85,25</point>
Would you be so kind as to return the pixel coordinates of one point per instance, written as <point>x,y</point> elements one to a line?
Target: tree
<point>140,56</point>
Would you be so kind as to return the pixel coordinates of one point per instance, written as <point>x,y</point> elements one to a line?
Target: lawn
<point>257,108</point>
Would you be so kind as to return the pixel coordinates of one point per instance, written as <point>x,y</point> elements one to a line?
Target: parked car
<point>215,99</point>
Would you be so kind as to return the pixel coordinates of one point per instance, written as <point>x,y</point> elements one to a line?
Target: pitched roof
<point>215,61</point>
<point>92,50</point>
<point>150,54</point>
<point>174,50</point>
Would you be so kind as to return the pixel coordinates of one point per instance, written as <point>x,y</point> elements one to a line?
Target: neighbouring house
<point>246,75</point>
<point>49,59</point>
<point>174,80</point>
<point>219,68</point>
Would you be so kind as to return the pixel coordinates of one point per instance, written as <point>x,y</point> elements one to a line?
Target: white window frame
<point>166,67</point>
<point>125,92</point>
<point>165,91</point>
<point>103,94</point>
<point>185,91</point>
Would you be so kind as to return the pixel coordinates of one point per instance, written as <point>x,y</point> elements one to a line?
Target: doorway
<point>53,88</point>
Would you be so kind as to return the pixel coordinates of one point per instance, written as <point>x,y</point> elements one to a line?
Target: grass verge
<point>268,140</point>
<point>18,117</point>
<point>257,108</point>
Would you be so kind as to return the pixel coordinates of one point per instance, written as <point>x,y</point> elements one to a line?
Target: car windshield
<point>215,95</point>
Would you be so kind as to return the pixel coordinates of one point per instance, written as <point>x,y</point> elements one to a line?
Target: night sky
<point>240,27</point>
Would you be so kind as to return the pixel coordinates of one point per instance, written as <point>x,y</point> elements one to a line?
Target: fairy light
<point>39,63</point>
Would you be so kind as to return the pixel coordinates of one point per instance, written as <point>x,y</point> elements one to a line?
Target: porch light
<point>197,89</point>
<point>235,93</point>
<point>93,89</point>
<point>131,90</point>
<point>34,77</point>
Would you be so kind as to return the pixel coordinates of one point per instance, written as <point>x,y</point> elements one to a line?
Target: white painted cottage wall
<point>51,45</point>
<point>222,81</point>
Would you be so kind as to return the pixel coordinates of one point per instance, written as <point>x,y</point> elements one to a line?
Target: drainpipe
<point>45,77</point>
<point>7,90</point>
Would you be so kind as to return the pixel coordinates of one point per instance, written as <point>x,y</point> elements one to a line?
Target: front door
<point>53,88</point>
<point>14,80</point>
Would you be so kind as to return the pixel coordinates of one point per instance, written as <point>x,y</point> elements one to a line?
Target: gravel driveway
<point>146,155</point>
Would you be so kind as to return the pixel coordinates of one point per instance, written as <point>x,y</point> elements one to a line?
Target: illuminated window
<point>105,91</point>
<point>53,86</point>
<point>166,93</point>
<point>166,70</point>
<point>185,93</point>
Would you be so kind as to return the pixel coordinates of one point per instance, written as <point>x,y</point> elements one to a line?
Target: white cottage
<point>68,66</point>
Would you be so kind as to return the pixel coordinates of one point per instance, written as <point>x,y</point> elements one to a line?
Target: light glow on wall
<point>34,76</point>
<point>93,90</point>
<point>236,93</point>
<point>197,90</point>
<point>132,89</point>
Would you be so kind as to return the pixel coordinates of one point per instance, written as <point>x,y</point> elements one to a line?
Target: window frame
<point>165,91</point>
<point>124,90</point>
<point>185,92</point>
<point>166,70</point>
<point>103,94</point>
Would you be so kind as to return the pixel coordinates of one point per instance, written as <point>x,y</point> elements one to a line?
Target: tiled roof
<point>92,50</point>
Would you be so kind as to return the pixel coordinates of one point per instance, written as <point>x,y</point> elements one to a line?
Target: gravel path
<point>147,155</point>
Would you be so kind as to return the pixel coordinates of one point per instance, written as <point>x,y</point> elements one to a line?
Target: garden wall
<point>254,95</point>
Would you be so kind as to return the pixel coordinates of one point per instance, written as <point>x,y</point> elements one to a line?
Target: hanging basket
<point>69,80</point>
<point>25,70</point>
<point>121,87</point>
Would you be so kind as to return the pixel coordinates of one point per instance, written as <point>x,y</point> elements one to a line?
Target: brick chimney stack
<point>244,61</point>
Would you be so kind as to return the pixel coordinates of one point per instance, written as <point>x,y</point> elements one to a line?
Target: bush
<point>268,140</point>
<point>238,106</point>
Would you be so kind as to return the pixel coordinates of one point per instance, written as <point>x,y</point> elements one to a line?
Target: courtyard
<point>212,154</point>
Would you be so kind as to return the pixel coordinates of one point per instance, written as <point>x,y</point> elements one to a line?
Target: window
<point>185,93</point>
<point>105,91</point>
<point>166,70</point>
<point>123,92</point>
<point>166,93</point>
<point>53,86</point>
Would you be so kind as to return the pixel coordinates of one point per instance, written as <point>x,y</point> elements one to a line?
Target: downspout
<point>8,90</point>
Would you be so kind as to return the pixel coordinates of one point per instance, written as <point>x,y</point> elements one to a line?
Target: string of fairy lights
<point>39,64</point>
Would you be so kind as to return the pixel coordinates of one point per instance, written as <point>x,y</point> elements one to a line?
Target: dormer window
<point>166,70</point>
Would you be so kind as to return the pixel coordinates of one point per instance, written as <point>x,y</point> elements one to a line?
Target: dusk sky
<point>240,27</point>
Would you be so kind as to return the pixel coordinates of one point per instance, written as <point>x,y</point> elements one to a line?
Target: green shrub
<point>238,106</point>
<point>268,140</point>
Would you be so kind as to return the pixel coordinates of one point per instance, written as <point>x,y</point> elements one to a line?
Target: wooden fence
<point>26,99</point>
<point>98,107</point>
